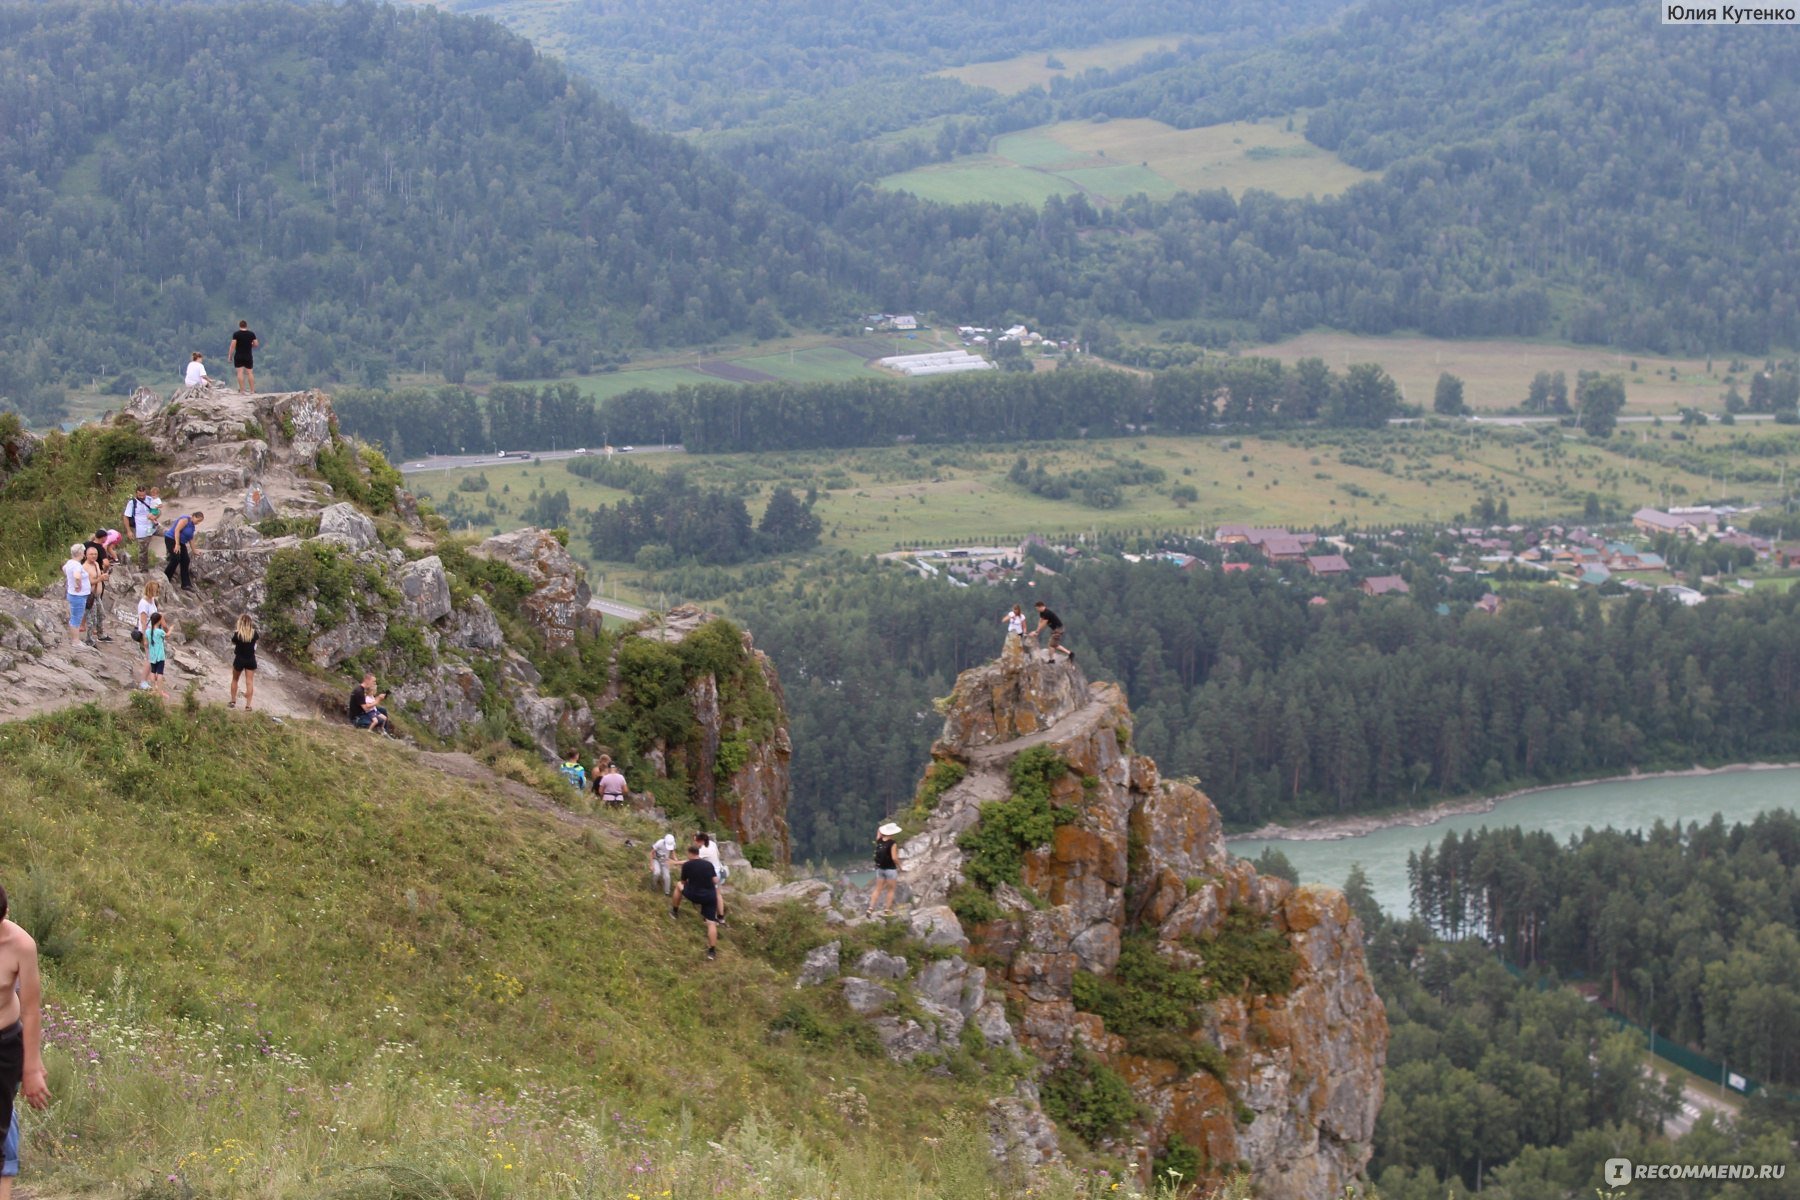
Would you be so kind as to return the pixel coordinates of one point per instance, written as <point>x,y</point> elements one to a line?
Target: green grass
<point>657,379</point>
<point>1115,159</point>
<point>292,959</point>
<point>874,500</point>
<point>821,364</point>
<point>1028,70</point>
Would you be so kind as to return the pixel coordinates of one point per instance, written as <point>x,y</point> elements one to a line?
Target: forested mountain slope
<point>375,189</point>
<point>1642,174</point>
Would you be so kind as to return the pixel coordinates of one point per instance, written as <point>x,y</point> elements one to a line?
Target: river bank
<point>1331,829</point>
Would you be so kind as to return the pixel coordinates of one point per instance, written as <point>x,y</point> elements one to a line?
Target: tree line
<point>671,519</point>
<point>1693,929</point>
<point>1251,393</point>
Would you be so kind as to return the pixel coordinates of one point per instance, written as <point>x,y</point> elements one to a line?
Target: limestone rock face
<point>426,588</point>
<point>348,527</point>
<point>558,604</point>
<point>1145,857</point>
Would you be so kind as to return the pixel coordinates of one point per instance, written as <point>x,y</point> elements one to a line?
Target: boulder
<point>256,505</point>
<point>866,997</point>
<point>558,604</point>
<point>348,526</point>
<point>821,964</point>
<point>426,589</point>
<point>1019,1134</point>
<point>446,698</point>
<point>803,891</point>
<point>473,626</point>
<point>938,927</point>
<point>879,964</point>
<point>904,1039</point>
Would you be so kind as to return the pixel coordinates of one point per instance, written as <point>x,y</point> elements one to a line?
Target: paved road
<point>1633,419</point>
<point>463,462</point>
<point>614,608</point>
<point>1693,1102</point>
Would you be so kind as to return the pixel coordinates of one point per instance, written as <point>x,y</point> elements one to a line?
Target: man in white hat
<point>887,868</point>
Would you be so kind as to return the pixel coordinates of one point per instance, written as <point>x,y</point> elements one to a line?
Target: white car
<point>626,449</point>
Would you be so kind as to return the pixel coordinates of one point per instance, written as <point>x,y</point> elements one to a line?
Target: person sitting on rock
<point>196,372</point>
<point>365,707</point>
<point>887,869</point>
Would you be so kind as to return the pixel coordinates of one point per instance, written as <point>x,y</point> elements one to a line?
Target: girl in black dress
<point>243,661</point>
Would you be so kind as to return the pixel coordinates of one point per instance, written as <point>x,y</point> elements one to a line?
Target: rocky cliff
<point>318,540</point>
<point>1186,1010</point>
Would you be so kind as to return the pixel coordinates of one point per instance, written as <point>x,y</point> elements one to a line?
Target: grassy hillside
<point>288,959</point>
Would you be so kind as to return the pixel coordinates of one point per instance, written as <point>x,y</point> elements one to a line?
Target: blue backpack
<point>576,774</point>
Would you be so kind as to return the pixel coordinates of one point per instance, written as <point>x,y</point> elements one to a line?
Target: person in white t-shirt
<point>661,851</point>
<point>196,371</point>
<point>79,585</point>
<point>140,518</point>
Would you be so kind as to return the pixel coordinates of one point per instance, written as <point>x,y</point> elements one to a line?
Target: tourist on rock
<point>156,648</point>
<point>709,850</point>
<point>699,884</point>
<point>365,707</point>
<point>140,519</point>
<point>243,342</point>
<point>609,782</point>
<point>178,547</point>
<point>156,505</point>
<point>97,577</point>
<point>1049,620</point>
<point>21,1025</point>
<point>887,869</point>
<point>243,661</point>
<point>146,609</point>
<point>661,851</point>
<point>196,372</point>
<point>1015,624</point>
<point>79,586</point>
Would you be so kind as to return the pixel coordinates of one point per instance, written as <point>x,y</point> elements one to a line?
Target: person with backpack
<point>243,661</point>
<point>887,869</point>
<point>178,547</point>
<point>609,782</point>
<point>146,609</point>
<point>156,647</point>
<point>699,884</point>
<point>661,851</point>
<point>574,772</point>
<point>140,520</point>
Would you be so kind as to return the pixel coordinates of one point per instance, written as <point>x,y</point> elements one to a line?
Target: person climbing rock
<point>243,343</point>
<point>178,547</point>
<point>1052,622</point>
<point>887,868</point>
<point>662,850</point>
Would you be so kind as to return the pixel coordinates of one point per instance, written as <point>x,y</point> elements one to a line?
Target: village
<point>1688,555</point>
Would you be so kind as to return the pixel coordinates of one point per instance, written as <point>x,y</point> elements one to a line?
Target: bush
<point>1249,955</point>
<point>940,776</point>
<point>1090,1098</point>
<point>72,486</point>
<point>996,847</point>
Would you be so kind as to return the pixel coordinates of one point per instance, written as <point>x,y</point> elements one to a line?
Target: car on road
<point>626,449</point>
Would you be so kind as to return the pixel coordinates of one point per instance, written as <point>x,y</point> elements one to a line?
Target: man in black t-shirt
<point>1049,620</point>
<point>243,342</point>
<point>699,883</point>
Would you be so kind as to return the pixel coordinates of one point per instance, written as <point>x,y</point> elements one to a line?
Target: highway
<point>614,608</point>
<point>464,462</point>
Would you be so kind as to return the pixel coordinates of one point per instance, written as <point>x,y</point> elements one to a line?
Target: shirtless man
<point>21,1020</point>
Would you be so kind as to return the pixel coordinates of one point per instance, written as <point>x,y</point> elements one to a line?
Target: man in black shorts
<point>1049,620</point>
<point>243,342</point>
<point>699,883</point>
<point>21,1019</point>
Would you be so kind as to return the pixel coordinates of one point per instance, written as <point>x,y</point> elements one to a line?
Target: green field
<point>876,500</point>
<point>1012,75</point>
<point>1111,160</point>
<point>1496,373</point>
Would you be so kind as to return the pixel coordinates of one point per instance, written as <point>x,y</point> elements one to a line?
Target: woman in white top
<point>146,608</point>
<point>196,371</point>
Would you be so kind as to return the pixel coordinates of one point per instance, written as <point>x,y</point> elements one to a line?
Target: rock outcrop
<point>1292,1078</point>
<point>352,578</point>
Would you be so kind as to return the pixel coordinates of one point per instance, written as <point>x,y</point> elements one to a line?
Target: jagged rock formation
<point>1297,1087</point>
<point>370,591</point>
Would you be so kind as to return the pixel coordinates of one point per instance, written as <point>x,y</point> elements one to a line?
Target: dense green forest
<point>1245,393</point>
<point>376,190</point>
<point>1690,928</point>
<point>1280,708</point>
<point>1519,1088</point>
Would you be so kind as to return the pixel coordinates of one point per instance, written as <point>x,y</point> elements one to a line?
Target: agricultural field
<point>1496,373</point>
<point>810,360</point>
<point>876,500</point>
<point>1013,75</point>
<point>1110,160</point>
